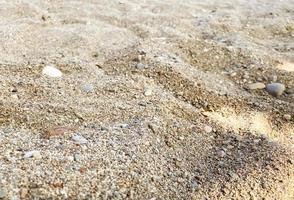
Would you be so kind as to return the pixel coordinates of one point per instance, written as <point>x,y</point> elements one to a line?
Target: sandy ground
<point>157,93</point>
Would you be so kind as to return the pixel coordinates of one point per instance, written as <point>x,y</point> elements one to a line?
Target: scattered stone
<point>14,96</point>
<point>256,86</point>
<point>221,153</point>
<point>77,157</point>
<point>124,125</point>
<point>33,154</point>
<point>140,66</point>
<point>148,92</point>
<point>287,117</point>
<point>273,78</point>
<point>233,175</point>
<point>208,129</point>
<point>56,131</point>
<point>194,185</point>
<point>51,71</point>
<point>275,89</point>
<point>70,158</point>
<point>24,193</point>
<point>3,193</point>
<point>79,139</point>
<point>88,88</point>
<point>233,74</point>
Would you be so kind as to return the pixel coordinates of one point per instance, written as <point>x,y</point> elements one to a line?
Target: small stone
<point>233,74</point>
<point>273,78</point>
<point>148,92</point>
<point>70,158</point>
<point>77,157</point>
<point>24,193</point>
<point>221,153</point>
<point>275,89</point>
<point>233,175</point>
<point>124,125</point>
<point>79,139</point>
<point>51,71</point>
<point>14,96</point>
<point>3,193</point>
<point>88,88</point>
<point>246,76</point>
<point>194,185</point>
<point>33,154</point>
<point>256,86</point>
<point>208,129</point>
<point>287,117</point>
<point>56,131</point>
<point>140,66</point>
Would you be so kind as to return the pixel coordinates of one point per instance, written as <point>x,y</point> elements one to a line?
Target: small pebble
<point>273,78</point>
<point>148,92</point>
<point>256,86</point>
<point>140,66</point>
<point>221,153</point>
<point>77,157</point>
<point>208,129</point>
<point>24,193</point>
<point>88,88</point>
<point>33,154</point>
<point>275,89</point>
<point>14,96</point>
<point>79,139</point>
<point>124,125</point>
<point>3,193</point>
<point>287,117</point>
<point>51,71</point>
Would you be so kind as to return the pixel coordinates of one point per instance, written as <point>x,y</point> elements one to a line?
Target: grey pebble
<point>79,139</point>
<point>77,157</point>
<point>140,66</point>
<point>3,193</point>
<point>275,89</point>
<point>221,153</point>
<point>88,88</point>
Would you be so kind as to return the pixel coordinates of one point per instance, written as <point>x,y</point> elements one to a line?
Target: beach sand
<point>155,100</point>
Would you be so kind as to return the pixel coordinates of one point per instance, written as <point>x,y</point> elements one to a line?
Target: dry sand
<point>153,102</point>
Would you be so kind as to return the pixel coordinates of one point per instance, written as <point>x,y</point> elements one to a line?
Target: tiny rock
<point>33,154</point>
<point>51,71</point>
<point>88,88</point>
<point>140,66</point>
<point>275,89</point>
<point>79,139</point>
<point>208,129</point>
<point>124,125</point>
<point>77,157</point>
<point>56,131</point>
<point>256,86</point>
<point>221,153</point>
<point>3,193</point>
<point>287,117</point>
<point>24,193</point>
<point>148,92</point>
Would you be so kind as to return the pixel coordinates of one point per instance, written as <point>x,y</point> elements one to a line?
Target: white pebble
<point>256,86</point>
<point>208,129</point>
<point>33,154</point>
<point>148,92</point>
<point>287,117</point>
<point>79,139</point>
<point>51,71</point>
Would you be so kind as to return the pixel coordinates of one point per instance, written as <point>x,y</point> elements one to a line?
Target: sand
<point>154,100</point>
